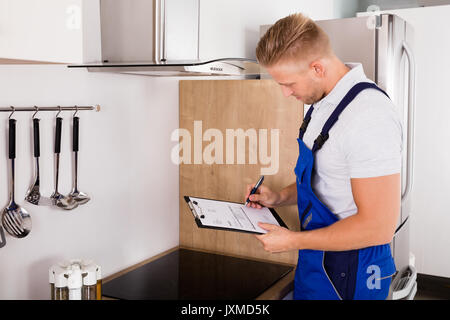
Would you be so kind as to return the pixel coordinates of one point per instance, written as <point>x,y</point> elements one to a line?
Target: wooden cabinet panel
<point>208,108</point>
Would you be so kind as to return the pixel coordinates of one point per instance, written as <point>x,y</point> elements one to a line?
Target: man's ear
<point>318,69</point>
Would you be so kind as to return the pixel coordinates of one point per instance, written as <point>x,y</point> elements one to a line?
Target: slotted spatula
<point>2,238</point>
<point>15,219</point>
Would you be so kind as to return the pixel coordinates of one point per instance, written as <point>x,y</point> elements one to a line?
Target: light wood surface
<point>280,289</point>
<point>234,104</point>
<point>16,61</point>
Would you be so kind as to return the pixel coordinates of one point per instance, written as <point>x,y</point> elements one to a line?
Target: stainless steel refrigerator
<point>382,43</point>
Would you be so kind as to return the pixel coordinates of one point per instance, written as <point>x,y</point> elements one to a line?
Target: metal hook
<point>58,111</point>
<point>76,110</point>
<point>13,110</point>
<point>37,110</point>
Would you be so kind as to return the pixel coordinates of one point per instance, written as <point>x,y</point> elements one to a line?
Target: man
<point>348,172</point>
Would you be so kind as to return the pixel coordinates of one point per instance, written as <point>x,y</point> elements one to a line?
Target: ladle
<point>67,203</point>
<point>76,194</point>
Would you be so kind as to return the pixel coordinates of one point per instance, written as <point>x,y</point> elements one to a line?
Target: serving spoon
<point>33,195</point>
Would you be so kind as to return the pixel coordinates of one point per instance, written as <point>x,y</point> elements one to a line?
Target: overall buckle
<point>304,126</point>
<point>319,142</point>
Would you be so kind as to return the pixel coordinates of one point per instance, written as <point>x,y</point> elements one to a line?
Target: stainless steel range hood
<point>158,38</point>
<point>218,67</point>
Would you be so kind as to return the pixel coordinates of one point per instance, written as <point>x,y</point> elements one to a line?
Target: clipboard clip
<point>193,210</point>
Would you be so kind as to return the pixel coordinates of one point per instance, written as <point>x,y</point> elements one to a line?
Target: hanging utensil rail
<point>57,108</point>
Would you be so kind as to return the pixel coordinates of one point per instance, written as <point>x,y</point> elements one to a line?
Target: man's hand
<point>277,239</point>
<point>263,197</point>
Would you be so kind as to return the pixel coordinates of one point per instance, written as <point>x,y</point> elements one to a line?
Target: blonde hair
<point>291,38</point>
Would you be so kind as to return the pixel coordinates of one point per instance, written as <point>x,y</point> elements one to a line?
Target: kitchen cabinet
<point>49,31</point>
<point>68,31</point>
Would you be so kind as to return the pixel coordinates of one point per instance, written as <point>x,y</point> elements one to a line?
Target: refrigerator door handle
<point>160,32</point>
<point>411,110</point>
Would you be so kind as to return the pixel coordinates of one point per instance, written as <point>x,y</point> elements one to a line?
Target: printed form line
<point>247,218</point>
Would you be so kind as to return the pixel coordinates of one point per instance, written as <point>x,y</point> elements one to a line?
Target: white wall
<point>124,166</point>
<point>124,158</point>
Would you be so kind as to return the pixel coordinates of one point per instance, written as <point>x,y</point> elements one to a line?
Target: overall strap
<point>323,136</point>
<point>305,123</point>
<point>357,88</point>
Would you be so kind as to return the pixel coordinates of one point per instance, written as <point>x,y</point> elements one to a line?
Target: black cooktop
<point>191,275</point>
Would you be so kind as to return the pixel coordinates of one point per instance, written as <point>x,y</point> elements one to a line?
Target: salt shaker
<point>89,289</point>
<point>51,280</point>
<point>74,282</point>
<point>61,291</point>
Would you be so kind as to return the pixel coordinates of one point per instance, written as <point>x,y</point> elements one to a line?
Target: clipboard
<point>231,216</point>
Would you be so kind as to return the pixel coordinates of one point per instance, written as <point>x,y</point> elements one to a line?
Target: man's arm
<point>272,199</point>
<point>288,196</point>
<point>378,203</point>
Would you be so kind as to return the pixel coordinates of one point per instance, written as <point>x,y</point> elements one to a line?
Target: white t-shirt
<point>366,141</point>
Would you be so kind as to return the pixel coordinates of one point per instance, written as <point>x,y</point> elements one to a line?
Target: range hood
<point>158,38</point>
<point>218,67</point>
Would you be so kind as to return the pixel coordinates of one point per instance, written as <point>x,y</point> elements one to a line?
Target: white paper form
<point>230,215</point>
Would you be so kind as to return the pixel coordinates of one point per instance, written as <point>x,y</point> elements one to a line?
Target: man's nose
<point>286,91</point>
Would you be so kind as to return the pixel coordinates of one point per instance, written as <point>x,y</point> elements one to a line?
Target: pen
<point>260,181</point>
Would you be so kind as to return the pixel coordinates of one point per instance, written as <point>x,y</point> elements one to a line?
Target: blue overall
<point>330,275</point>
